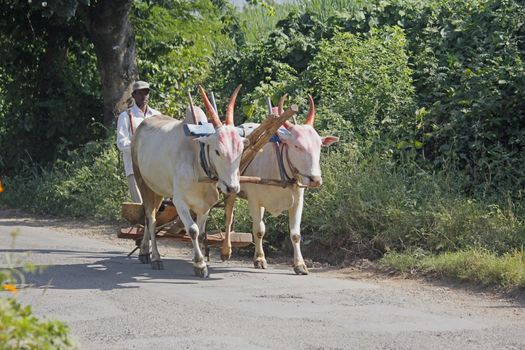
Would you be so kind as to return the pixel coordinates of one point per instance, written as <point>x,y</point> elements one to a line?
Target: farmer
<point>127,123</point>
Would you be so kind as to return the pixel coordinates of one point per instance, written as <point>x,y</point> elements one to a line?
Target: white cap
<point>140,85</point>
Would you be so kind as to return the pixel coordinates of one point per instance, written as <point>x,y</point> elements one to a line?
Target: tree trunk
<point>108,25</point>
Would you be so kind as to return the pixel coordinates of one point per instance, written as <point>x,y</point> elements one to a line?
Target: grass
<point>325,9</point>
<point>473,265</point>
<point>368,205</point>
<point>257,21</point>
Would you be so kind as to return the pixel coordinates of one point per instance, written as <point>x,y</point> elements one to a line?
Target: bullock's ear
<point>328,140</point>
<point>203,139</point>
<point>284,135</point>
<point>245,141</point>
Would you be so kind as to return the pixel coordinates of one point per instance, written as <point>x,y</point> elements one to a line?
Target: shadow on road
<point>112,270</point>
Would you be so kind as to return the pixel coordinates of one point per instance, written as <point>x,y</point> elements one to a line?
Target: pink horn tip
<point>212,115</point>
<point>281,103</point>
<point>231,106</point>
<point>311,113</point>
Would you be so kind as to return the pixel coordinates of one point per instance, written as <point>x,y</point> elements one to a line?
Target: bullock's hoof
<point>201,271</point>
<point>260,264</point>
<point>301,269</point>
<point>144,258</point>
<point>157,265</point>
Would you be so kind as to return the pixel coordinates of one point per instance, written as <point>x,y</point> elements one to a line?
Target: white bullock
<point>166,163</point>
<point>300,147</point>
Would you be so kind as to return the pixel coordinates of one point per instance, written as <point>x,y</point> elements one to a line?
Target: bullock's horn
<point>213,102</point>
<point>231,105</point>
<point>288,125</point>
<point>191,107</point>
<point>311,114</point>
<point>281,103</point>
<point>209,109</point>
<point>269,104</point>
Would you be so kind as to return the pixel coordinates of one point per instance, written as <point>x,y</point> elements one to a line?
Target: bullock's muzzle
<point>315,181</point>
<point>228,189</point>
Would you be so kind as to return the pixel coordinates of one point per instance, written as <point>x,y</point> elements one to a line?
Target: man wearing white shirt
<point>127,123</point>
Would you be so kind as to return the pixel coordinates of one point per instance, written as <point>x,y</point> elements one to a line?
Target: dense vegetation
<point>426,96</point>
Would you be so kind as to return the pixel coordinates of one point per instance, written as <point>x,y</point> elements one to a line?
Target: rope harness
<point>131,122</point>
<point>206,165</point>
<point>279,148</point>
<point>281,151</point>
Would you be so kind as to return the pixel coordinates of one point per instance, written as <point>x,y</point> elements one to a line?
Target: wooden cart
<point>170,226</point>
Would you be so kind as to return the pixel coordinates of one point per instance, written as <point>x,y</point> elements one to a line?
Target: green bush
<point>366,79</point>
<point>370,204</point>
<point>469,56</point>
<point>49,87</point>
<point>89,184</point>
<point>20,329</point>
<point>175,46</point>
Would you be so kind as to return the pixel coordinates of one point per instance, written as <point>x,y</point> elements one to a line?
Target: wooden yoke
<point>261,136</point>
<point>258,138</point>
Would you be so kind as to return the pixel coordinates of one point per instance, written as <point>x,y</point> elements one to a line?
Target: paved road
<point>112,302</point>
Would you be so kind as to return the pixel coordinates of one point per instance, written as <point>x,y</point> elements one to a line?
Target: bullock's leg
<point>199,266</point>
<point>201,223</point>
<point>153,205</point>
<point>229,206</point>
<point>294,221</point>
<point>258,229</point>
<point>148,206</point>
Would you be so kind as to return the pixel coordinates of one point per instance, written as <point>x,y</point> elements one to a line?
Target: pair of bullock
<point>166,163</point>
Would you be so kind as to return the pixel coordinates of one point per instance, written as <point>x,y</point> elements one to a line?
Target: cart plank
<point>238,239</point>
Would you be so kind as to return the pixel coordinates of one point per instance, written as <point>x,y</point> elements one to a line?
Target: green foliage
<point>20,329</point>
<point>256,22</point>
<point>90,184</point>
<point>469,59</point>
<point>175,46</point>
<point>49,86</point>
<point>366,79</point>
<point>278,59</point>
<point>372,204</point>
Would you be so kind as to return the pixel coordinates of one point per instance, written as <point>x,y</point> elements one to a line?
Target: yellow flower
<point>10,288</point>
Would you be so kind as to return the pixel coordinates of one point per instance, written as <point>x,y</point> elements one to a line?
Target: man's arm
<point>123,132</point>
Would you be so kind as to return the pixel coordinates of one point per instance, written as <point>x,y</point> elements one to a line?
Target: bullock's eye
<point>217,153</point>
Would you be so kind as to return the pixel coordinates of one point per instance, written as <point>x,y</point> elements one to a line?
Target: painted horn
<point>281,103</point>
<point>231,106</point>
<point>212,115</point>
<point>311,115</point>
